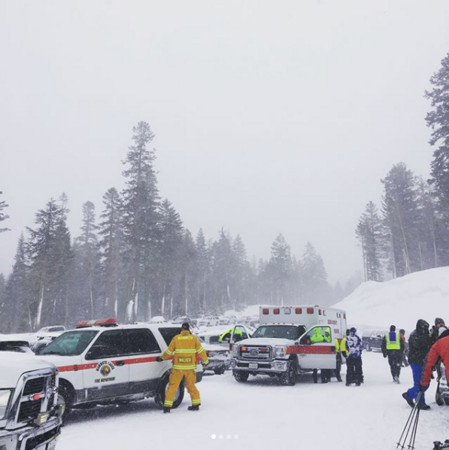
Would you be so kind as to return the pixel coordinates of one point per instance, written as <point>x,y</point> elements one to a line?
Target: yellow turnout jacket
<point>184,348</point>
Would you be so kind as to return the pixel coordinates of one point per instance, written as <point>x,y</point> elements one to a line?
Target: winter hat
<point>402,331</point>
<point>422,326</point>
<point>185,326</point>
<point>353,330</point>
<point>392,328</point>
<point>439,321</point>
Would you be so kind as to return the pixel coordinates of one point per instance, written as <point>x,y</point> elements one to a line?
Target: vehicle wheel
<point>446,400</point>
<point>219,371</point>
<point>160,396</point>
<point>289,377</point>
<point>66,397</point>
<point>240,376</point>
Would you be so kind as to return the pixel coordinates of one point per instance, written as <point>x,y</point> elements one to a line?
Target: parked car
<point>30,415</point>
<point>373,342</point>
<point>15,346</point>
<point>219,357</point>
<point>50,331</point>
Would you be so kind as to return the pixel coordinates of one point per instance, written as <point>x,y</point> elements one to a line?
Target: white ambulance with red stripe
<point>101,362</point>
<point>290,340</point>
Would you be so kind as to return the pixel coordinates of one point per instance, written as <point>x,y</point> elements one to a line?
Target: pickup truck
<point>30,414</point>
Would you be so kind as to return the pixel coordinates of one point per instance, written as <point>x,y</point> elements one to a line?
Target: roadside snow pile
<point>402,301</point>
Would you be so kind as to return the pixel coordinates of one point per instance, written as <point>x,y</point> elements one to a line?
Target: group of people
<point>428,348</point>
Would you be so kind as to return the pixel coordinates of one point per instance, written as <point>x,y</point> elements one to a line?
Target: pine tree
<point>370,234</point>
<point>203,273</point>
<point>401,216</point>
<point>314,277</point>
<point>279,271</point>
<point>50,255</point>
<point>3,216</point>
<point>16,310</point>
<point>111,244</point>
<point>438,120</point>
<point>86,266</point>
<point>140,204</point>
<point>169,254</point>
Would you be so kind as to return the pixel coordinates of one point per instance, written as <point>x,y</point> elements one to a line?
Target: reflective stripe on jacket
<point>184,347</point>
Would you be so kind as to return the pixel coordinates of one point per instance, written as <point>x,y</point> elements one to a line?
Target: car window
<point>168,333</point>
<point>141,341</point>
<point>109,344</point>
<point>69,344</point>
<point>318,335</point>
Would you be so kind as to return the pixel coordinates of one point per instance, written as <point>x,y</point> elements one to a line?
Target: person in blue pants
<point>419,345</point>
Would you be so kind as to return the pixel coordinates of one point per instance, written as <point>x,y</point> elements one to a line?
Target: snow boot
<point>423,406</point>
<point>410,402</point>
<point>166,410</point>
<point>194,408</point>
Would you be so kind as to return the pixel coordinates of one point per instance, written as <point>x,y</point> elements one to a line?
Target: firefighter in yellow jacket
<point>184,348</point>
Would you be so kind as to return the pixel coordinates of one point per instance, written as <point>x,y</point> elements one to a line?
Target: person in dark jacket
<point>405,352</point>
<point>419,344</point>
<point>434,332</point>
<point>393,347</point>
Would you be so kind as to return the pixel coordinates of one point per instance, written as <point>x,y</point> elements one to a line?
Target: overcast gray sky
<point>270,116</point>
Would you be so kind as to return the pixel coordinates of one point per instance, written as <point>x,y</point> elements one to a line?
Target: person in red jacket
<point>438,351</point>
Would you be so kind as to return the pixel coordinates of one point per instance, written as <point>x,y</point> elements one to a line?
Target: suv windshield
<point>279,331</point>
<point>68,344</point>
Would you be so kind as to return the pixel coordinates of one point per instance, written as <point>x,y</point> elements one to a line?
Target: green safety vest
<point>393,345</point>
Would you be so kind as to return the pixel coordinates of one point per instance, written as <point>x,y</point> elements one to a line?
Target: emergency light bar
<point>97,323</point>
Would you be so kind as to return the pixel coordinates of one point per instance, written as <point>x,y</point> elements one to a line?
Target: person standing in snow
<point>438,352</point>
<point>419,344</point>
<point>184,348</point>
<point>405,352</point>
<point>354,346</point>
<point>393,347</point>
<point>434,332</point>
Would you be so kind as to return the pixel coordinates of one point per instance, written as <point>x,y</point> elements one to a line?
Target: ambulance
<point>290,340</point>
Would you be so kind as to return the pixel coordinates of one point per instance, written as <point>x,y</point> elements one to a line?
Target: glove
<point>423,388</point>
<point>159,359</point>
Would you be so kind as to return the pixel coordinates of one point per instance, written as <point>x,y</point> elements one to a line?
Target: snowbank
<point>402,301</point>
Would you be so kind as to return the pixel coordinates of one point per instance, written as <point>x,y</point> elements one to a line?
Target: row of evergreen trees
<point>410,232</point>
<point>139,261</point>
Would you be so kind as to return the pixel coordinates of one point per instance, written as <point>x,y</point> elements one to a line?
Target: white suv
<point>101,362</point>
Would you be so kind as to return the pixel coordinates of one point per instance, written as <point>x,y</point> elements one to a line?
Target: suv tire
<point>240,376</point>
<point>160,396</point>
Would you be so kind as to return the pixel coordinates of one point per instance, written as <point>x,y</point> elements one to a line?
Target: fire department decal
<point>105,368</point>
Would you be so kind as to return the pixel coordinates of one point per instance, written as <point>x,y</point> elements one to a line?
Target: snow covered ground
<point>263,414</point>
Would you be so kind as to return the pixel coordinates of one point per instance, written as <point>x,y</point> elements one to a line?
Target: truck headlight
<point>280,351</point>
<point>4,398</point>
<point>235,350</point>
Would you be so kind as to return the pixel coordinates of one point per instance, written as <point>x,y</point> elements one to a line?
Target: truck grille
<point>34,386</point>
<point>38,396</point>
<point>256,352</point>
<point>29,410</point>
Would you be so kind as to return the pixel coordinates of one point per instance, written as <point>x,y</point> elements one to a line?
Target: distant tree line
<point>137,260</point>
<point>410,230</point>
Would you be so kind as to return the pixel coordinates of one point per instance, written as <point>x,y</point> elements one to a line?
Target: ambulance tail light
<point>276,311</point>
<point>298,310</point>
<point>309,310</point>
<point>265,311</point>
